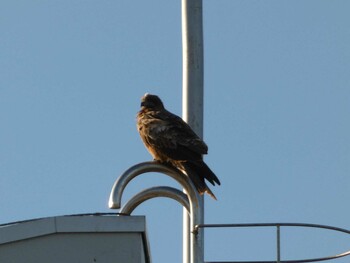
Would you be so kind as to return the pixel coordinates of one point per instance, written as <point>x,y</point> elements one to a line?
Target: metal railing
<point>278,240</point>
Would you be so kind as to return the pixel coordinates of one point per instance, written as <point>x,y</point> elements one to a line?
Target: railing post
<point>278,232</point>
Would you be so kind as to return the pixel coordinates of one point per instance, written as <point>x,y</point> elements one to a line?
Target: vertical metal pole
<point>192,108</point>
<point>278,244</point>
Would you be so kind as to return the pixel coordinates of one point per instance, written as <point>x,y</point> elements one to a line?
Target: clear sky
<point>277,107</point>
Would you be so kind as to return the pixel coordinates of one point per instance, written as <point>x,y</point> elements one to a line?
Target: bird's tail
<point>197,171</point>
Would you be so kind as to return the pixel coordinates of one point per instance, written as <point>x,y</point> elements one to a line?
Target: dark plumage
<point>170,140</point>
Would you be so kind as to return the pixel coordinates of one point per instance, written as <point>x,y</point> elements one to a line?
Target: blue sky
<point>276,120</point>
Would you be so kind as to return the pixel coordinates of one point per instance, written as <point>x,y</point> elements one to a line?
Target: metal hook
<point>159,191</point>
<point>146,167</point>
<point>193,198</point>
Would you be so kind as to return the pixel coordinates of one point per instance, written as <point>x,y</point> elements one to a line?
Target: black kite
<point>171,141</point>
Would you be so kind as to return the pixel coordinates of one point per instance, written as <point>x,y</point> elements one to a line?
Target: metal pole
<point>278,244</point>
<point>192,108</point>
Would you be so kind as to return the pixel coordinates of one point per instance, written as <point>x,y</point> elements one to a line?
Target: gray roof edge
<point>80,223</point>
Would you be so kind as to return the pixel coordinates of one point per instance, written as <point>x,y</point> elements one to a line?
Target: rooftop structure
<point>77,238</point>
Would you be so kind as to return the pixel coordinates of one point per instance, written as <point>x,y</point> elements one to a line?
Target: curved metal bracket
<point>190,199</point>
<point>149,193</point>
<point>146,167</point>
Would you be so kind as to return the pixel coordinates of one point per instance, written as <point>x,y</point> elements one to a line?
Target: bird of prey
<point>171,141</point>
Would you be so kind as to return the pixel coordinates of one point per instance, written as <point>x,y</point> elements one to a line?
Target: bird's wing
<point>175,139</point>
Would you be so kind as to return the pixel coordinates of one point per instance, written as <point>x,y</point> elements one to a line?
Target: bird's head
<point>151,102</point>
